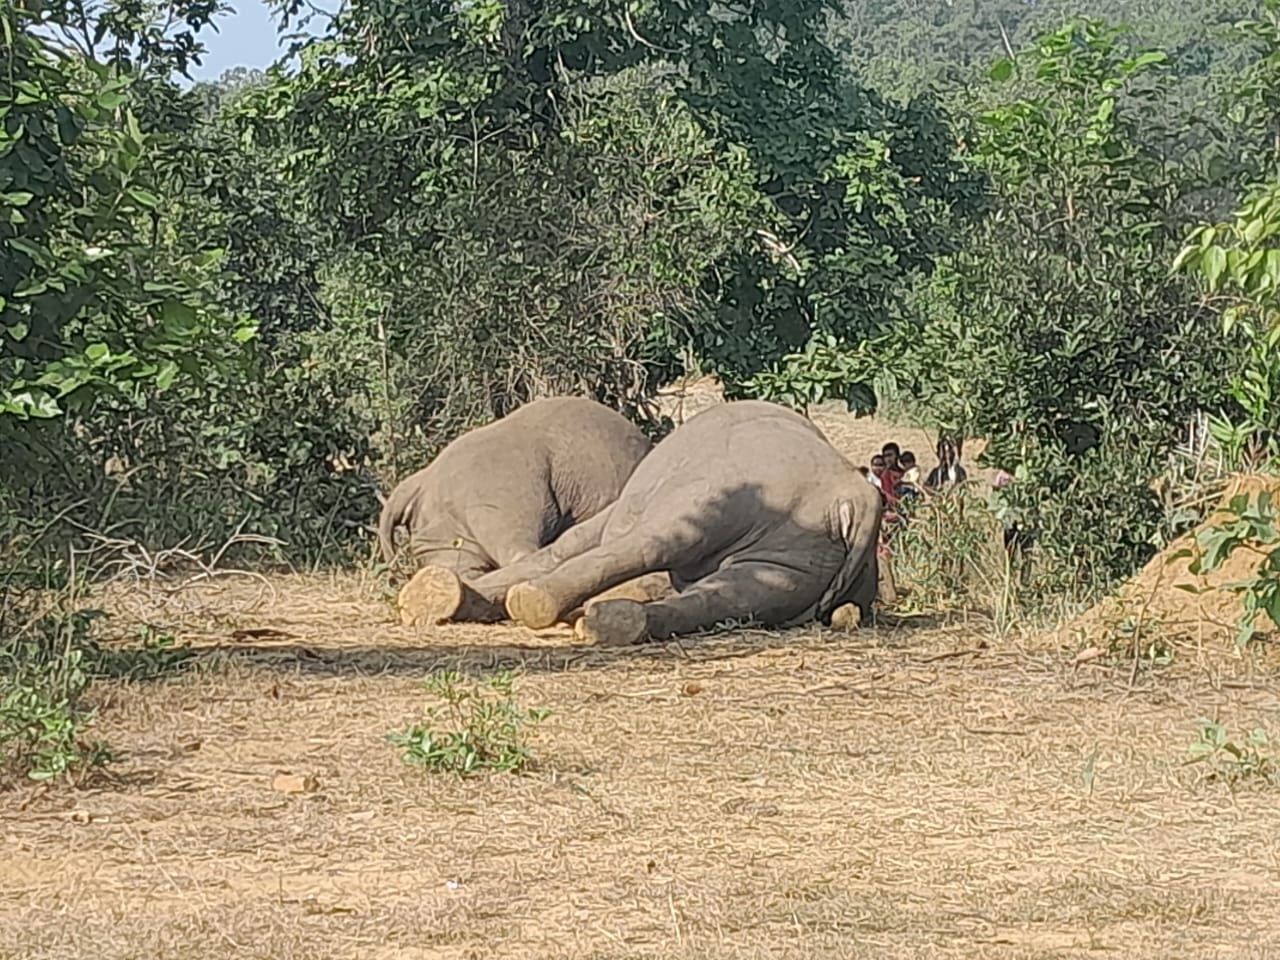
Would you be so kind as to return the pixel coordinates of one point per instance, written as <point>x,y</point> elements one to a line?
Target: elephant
<point>504,490</point>
<point>753,513</point>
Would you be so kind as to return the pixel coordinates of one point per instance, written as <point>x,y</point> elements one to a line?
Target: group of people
<point>896,473</point>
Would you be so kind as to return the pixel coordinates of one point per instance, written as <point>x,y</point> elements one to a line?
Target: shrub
<point>485,729</point>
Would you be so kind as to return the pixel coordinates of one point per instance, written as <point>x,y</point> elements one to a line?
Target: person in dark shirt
<point>948,472</point>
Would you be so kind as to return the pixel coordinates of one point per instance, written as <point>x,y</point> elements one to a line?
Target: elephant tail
<point>860,535</point>
<point>393,514</point>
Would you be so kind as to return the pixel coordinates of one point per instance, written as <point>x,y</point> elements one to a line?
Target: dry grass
<point>905,791</point>
<point>918,789</point>
<point>1166,599</point>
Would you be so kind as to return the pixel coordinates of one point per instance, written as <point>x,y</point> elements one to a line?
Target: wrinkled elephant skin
<point>753,513</point>
<point>502,491</point>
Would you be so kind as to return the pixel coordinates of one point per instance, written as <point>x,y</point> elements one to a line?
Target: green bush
<point>483,728</point>
<point>949,553</point>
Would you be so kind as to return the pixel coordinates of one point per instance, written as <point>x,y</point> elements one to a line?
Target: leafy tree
<point>1057,334</point>
<point>86,307</point>
<point>1238,260</point>
<point>831,197</point>
<point>904,47</point>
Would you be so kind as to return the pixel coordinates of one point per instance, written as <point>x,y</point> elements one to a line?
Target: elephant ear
<point>856,562</point>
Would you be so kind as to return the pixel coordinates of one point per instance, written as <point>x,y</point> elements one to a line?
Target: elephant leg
<point>643,589</point>
<point>444,573</point>
<point>886,587</point>
<point>436,589</point>
<point>739,591</point>
<point>445,595</point>
<point>508,536</point>
<point>574,542</point>
<point>540,601</point>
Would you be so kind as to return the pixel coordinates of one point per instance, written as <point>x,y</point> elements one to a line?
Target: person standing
<point>948,472</point>
<point>892,476</point>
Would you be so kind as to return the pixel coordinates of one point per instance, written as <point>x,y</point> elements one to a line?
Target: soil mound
<point>1165,599</point>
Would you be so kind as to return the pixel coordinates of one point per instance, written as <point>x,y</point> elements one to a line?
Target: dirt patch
<point>1166,599</point>
<point>903,791</point>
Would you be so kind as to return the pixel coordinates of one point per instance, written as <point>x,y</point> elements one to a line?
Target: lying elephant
<point>501,491</point>
<point>747,505</point>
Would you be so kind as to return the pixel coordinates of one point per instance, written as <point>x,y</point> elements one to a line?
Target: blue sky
<point>246,38</point>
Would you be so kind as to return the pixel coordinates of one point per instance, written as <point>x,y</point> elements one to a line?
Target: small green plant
<point>43,721</point>
<point>1253,526</point>
<point>1135,640</point>
<point>1232,762</point>
<point>483,727</point>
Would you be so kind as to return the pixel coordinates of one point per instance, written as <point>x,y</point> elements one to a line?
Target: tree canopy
<point>265,298</point>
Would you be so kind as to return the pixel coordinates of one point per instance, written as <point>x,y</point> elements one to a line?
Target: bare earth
<point>916,789</point>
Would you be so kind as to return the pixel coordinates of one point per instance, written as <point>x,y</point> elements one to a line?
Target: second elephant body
<point>502,491</point>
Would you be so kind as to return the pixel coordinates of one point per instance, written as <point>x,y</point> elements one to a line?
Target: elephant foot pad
<point>613,623</point>
<point>532,606</point>
<point>846,617</point>
<point>432,596</point>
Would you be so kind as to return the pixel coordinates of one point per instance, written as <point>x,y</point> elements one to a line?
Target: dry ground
<point>916,789</point>
<point>903,791</point>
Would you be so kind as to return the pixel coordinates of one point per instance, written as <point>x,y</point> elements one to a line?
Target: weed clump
<point>479,728</point>
<point>1231,762</point>
<point>44,674</point>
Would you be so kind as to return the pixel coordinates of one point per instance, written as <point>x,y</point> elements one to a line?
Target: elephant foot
<point>532,606</point>
<point>643,589</point>
<point>614,623</point>
<point>847,616</point>
<point>436,595</point>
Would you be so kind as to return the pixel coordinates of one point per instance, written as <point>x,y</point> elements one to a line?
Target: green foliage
<point>902,47</point>
<point>1056,333</point>
<point>44,675</point>
<point>1252,525</point>
<point>85,306</point>
<point>1252,96</point>
<point>484,729</point>
<point>50,657</point>
<point>950,551</point>
<point>48,661</point>
<point>1239,264</point>
<point>1231,762</point>
<point>786,201</point>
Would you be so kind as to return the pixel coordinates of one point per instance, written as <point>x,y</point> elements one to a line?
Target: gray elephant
<point>747,505</point>
<point>502,491</point>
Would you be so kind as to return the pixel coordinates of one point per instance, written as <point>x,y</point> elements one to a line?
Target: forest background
<point>232,312</point>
